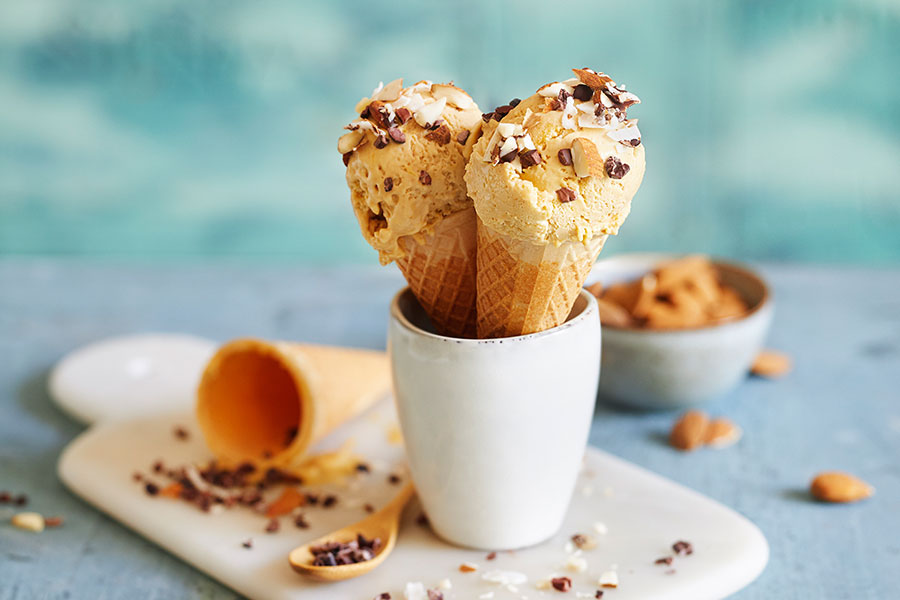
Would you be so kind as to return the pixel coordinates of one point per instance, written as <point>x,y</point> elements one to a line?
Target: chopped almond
<point>771,364</point>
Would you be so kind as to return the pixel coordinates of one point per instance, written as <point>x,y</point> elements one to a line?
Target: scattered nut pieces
<point>771,364</point>
<point>689,431</point>
<point>561,584</point>
<point>30,521</point>
<point>584,542</point>
<point>467,568</point>
<point>694,429</point>
<point>586,159</point>
<point>441,135</point>
<point>836,486</point>
<point>722,433</point>
<point>608,579</point>
<point>682,548</point>
<point>53,521</point>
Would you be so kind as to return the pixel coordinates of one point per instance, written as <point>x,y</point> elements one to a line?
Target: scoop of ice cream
<point>560,166</point>
<point>406,156</point>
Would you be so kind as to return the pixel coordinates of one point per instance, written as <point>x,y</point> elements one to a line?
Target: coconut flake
<point>509,145</point>
<point>415,591</point>
<point>505,577</point>
<point>453,94</point>
<point>389,92</point>
<point>626,133</point>
<point>506,129</point>
<point>430,112</point>
<point>609,579</point>
<point>551,90</point>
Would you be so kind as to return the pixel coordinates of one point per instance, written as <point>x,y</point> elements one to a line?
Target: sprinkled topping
<point>388,186</point>
<point>529,158</point>
<point>682,548</point>
<point>562,584</point>
<point>609,579</point>
<point>441,135</point>
<point>615,168</point>
<point>565,195</point>
<point>396,135</point>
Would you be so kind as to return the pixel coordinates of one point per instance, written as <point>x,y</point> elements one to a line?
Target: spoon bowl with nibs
<point>382,525</point>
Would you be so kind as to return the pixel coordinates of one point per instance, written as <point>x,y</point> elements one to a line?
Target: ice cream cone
<point>440,270</point>
<point>267,402</point>
<point>524,287</point>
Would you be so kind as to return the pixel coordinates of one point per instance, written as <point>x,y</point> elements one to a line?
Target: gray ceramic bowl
<point>675,369</point>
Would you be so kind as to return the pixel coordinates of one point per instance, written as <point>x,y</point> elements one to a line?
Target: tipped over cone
<point>525,288</point>
<point>440,270</point>
<point>267,402</point>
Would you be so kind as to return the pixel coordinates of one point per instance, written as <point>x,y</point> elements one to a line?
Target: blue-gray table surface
<point>839,409</point>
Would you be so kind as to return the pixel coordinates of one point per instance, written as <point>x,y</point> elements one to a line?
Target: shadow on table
<point>33,396</point>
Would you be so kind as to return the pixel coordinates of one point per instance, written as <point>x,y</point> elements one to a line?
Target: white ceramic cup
<point>495,430</point>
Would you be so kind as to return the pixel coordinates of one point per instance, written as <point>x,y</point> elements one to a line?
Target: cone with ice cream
<point>405,158</point>
<point>551,177</point>
<point>267,402</point>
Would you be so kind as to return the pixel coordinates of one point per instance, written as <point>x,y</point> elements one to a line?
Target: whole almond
<point>689,431</point>
<point>771,364</point>
<point>722,433</point>
<point>835,486</point>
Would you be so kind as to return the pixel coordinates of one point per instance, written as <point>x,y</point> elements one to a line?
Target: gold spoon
<point>383,524</point>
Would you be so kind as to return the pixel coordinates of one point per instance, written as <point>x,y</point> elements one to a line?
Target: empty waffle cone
<point>525,288</point>
<point>440,270</point>
<point>267,402</point>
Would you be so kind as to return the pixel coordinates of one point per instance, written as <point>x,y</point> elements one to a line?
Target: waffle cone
<point>523,287</point>
<point>440,270</point>
<point>267,402</point>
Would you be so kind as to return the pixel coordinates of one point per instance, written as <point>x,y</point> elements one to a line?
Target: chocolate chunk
<point>561,584</point>
<point>486,116</point>
<point>633,143</point>
<point>582,92</point>
<point>463,136</point>
<point>424,179</point>
<point>403,115</point>
<point>435,125</point>
<point>496,116</point>
<point>151,488</point>
<point>441,135</point>
<point>555,104</point>
<point>503,110</point>
<point>300,522</point>
<point>346,157</point>
<point>615,168</point>
<point>665,560</point>
<point>435,594</point>
<point>508,157</point>
<point>562,96</point>
<point>396,135</point>
<point>529,158</point>
<point>383,596</point>
<point>565,195</point>
<point>329,501</point>
<point>598,594</point>
<point>272,526</point>
<point>395,479</point>
<point>381,141</point>
<point>363,467</point>
<point>181,433</point>
<point>565,157</point>
<point>368,508</point>
<point>7,497</point>
<point>247,544</point>
<point>491,556</point>
<point>514,102</point>
<point>388,186</point>
<point>682,548</point>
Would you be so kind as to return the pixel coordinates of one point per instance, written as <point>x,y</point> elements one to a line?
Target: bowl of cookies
<point>677,330</point>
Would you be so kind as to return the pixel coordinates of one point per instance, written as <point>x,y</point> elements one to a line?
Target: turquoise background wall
<point>174,129</point>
